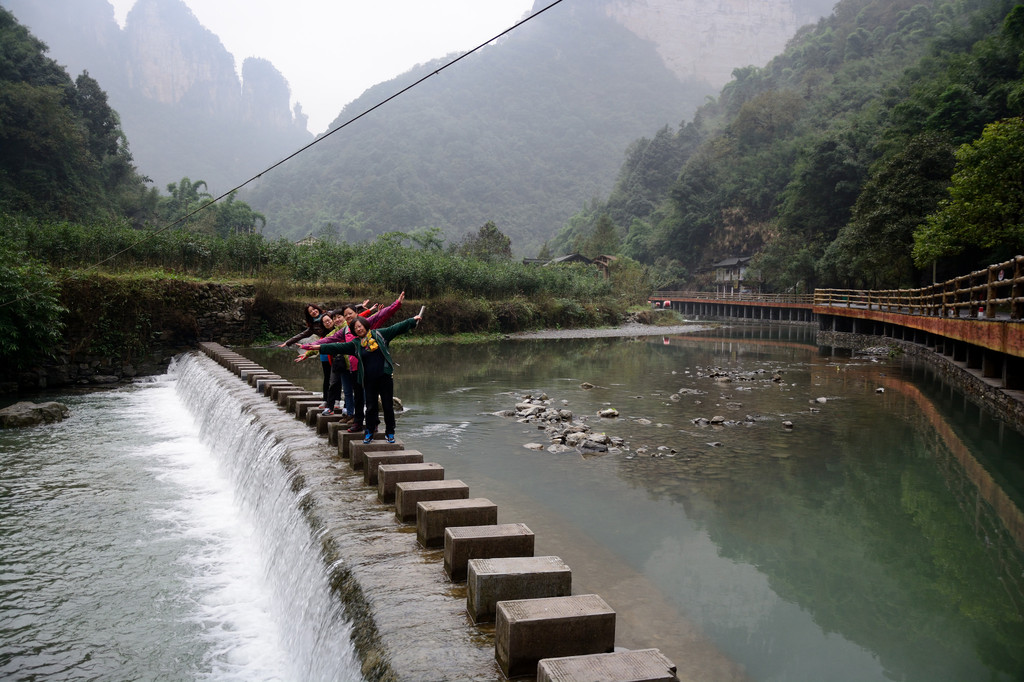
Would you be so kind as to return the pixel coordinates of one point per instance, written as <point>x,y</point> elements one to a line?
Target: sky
<point>331,51</point>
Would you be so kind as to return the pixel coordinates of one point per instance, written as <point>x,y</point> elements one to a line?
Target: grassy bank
<point>113,291</point>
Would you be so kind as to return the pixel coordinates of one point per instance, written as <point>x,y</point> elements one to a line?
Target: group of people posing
<point>352,343</point>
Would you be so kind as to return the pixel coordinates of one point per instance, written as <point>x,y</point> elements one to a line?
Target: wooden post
<point>990,294</point>
<point>1017,290</point>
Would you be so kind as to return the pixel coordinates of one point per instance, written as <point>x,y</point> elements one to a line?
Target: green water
<point>877,539</point>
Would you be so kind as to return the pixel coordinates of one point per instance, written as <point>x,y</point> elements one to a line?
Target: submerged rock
<point>32,414</point>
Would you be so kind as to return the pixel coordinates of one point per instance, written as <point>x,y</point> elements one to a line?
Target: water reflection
<point>876,539</point>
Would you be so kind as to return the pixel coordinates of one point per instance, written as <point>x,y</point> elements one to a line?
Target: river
<point>879,538</point>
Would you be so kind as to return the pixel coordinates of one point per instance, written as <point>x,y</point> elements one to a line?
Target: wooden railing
<point>805,299</point>
<point>992,292</point>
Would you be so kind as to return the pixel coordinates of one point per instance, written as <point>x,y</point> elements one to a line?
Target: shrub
<point>31,316</point>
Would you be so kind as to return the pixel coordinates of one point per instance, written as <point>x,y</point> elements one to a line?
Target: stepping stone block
<point>274,390</point>
<point>323,421</point>
<point>463,543</point>
<point>357,449</point>
<point>408,494</point>
<point>311,416</point>
<point>304,407</point>
<point>264,385</point>
<point>433,517</point>
<point>388,475</point>
<point>346,438</point>
<point>528,630</point>
<point>493,580</point>
<point>334,428</point>
<point>373,460</point>
<point>291,402</point>
<point>255,377</point>
<point>240,368</point>
<point>642,665</point>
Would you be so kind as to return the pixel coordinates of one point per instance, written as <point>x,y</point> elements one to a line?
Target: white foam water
<point>154,535</point>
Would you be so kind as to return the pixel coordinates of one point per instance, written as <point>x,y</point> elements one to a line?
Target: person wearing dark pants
<point>376,369</point>
<point>345,373</point>
<point>380,388</point>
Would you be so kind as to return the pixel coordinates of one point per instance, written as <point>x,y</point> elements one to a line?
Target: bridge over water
<point>974,319</point>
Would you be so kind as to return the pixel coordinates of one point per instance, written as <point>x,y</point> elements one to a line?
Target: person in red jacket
<point>344,370</point>
<point>376,369</point>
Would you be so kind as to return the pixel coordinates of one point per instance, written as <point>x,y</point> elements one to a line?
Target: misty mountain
<point>522,132</point>
<point>181,104</point>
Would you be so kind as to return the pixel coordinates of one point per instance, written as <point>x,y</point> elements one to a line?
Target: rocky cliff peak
<point>265,94</point>
<point>703,40</point>
<point>172,59</point>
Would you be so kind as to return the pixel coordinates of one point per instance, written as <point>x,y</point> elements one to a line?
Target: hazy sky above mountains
<point>330,51</point>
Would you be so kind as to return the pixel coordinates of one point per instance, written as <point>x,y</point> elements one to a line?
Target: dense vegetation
<point>829,162</point>
<point>64,154</point>
<point>174,86</point>
<point>73,211</point>
<point>386,264</point>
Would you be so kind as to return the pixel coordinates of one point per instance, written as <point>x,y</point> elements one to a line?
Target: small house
<point>734,276</point>
<point>570,258</point>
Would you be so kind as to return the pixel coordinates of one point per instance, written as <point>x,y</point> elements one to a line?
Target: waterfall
<point>250,441</point>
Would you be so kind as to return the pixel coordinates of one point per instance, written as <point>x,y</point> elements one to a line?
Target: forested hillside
<point>520,133</point>
<point>825,162</point>
<point>174,86</point>
<point>62,152</point>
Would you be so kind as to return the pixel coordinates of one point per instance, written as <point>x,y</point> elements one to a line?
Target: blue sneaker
<point>389,437</point>
<point>368,437</point>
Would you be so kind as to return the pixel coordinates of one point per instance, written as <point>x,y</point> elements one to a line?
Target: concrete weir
<point>541,630</point>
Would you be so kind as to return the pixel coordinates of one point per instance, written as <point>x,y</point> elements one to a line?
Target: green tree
<point>874,248</point>
<point>427,238</point>
<point>985,207</point>
<point>487,244</point>
<point>237,217</point>
<point>766,117</point>
<point>31,316</point>
<point>185,197</point>
<point>603,240</point>
<point>64,154</point>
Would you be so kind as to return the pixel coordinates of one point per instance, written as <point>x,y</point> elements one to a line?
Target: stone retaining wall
<point>1008,405</point>
<point>177,315</point>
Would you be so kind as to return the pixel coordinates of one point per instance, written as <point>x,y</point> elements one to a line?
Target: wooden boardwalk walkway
<point>974,318</point>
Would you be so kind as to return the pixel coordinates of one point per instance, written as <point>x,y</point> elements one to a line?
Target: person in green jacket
<point>376,369</point>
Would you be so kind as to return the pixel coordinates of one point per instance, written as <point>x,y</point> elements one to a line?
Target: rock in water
<point>32,414</point>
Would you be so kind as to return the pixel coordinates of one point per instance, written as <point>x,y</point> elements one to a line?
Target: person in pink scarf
<point>345,368</point>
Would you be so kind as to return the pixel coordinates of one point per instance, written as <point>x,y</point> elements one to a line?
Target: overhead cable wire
<point>330,132</point>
